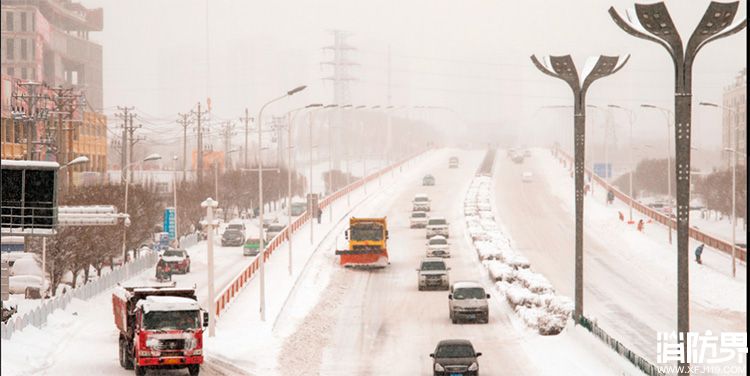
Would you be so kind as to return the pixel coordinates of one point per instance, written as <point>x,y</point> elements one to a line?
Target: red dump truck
<point>160,327</point>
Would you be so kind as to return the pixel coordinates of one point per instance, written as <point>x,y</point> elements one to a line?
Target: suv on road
<point>468,301</point>
<point>418,219</point>
<point>232,237</point>
<point>437,226</point>
<point>432,273</point>
<point>437,246</point>
<point>273,230</point>
<point>421,202</point>
<point>428,180</point>
<point>178,260</point>
<point>453,162</point>
<point>455,357</point>
<point>236,225</point>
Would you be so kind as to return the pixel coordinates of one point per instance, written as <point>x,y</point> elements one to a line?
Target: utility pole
<point>65,101</point>
<point>246,119</point>
<point>125,115</point>
<point>199,118</point>
<point>132,141</point>
<point>31,98</point>
<point>227,131</point>
<point>184,120</point>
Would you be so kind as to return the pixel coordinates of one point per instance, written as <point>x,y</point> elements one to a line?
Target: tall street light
<point>734,140</point>
<point>151,157</point>
<point>596,67</point>
<point>669,117</point>
<point>631,120</point>
<point>292,117</point>
<point>260,199</point>
<point>210,204</point>
<point>652,22</point>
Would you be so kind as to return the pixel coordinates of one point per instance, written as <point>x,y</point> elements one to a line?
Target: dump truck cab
<point>367,243</point>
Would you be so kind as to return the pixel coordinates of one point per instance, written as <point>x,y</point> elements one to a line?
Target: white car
<point>421,202</point>
<point>418,219</point>
<point>437,226</point>
<point>432,273</point>
<point>438,246</point>
<point>273,230</point>
<point>527,177</point>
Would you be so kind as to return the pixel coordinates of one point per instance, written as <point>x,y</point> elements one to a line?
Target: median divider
<point>656,216</point>
<point>233,289</point>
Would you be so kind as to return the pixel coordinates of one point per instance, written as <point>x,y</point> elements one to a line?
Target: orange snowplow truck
<point>161,327</point>
<point>367,243</point>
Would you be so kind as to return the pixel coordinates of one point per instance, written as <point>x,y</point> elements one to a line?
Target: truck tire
<point>140,371</point>
<point>125,359</point>
<point>121,354</point>
<point>194,369</point>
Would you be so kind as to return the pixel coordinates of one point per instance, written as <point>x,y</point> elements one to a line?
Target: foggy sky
<point>472,56</point>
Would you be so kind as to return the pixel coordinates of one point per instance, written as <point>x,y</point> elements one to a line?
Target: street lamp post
<point>631,120</point>
<point>260,199</point>
<point>653,23</point>
<point>174,200</point>
<point>210,204</point>
<point>734,151</point>
<point>289,178</point>
<point>668,116</point>
<point>151,157</point>
<point>562,67</point>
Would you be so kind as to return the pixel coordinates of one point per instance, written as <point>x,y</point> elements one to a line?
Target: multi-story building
<point>734,122</point>
<point>48,41</point>
<point>45,45</point>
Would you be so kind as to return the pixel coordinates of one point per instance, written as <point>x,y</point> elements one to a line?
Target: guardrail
<point>38,316</point>
<point>233,288</point>
<point>709,240</point>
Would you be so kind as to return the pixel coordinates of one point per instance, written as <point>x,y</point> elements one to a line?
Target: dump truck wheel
<point>194,369</point>
<point>140,371</point>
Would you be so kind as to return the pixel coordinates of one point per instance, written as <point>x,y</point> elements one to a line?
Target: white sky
<point>472,56</point>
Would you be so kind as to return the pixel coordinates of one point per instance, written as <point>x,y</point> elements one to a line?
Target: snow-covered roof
<point>168,303</point>
<point>24,163</point>
<point>466,285</point>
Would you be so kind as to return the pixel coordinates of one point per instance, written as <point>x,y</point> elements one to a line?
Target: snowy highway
<point>377,322</point>
<point>629,278</point>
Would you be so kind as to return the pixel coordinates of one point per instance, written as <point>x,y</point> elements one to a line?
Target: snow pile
<point>529,293</point>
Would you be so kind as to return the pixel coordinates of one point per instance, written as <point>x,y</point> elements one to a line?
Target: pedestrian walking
<point>698,253</point>
<point>319,214</point>
<point>640,225</point>
<point>610,197</point>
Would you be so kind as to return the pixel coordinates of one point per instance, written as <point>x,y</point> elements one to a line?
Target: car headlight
<point>152,343</point>
<point>474,366</point>
<point>439,368</point>
<point>190,343</point>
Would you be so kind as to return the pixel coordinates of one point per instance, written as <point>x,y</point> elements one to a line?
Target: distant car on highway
<point>418,219</point>
<point>251,247</point>
<point>468,301</point>
<point>455,357</point>
<point>432,273</point>
<point>273,230</point>
<point>428,180</point>
<point>453,162</point>
<point>437,226</point>
<point>527,177</point>
<point>232,238</point>
<point>421,202</point>
<point>437,246</point>
<point>178,260</point>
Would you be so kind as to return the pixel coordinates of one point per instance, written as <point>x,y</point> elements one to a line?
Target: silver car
<point>432,273</point>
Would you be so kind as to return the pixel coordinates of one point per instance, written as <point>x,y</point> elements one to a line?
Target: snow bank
<point>529,293</point>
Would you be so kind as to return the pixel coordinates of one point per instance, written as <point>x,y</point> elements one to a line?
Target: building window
<point>23,73</point>
<point>24,52</point>
<point>33,74</point>
<point>9,49</point>
<point>23,21</point>
<point>11,71</point>
<point>33,49</point>
<point>9,21</point>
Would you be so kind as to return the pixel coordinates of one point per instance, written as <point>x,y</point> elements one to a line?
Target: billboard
<point>29,197</point>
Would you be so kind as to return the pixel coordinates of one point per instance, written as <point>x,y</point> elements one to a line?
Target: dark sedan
<point>455,357</point>
<point>232,238</point>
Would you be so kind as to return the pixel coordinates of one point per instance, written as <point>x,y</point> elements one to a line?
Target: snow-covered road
<point>377,322</point>
<point>629,277</point>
